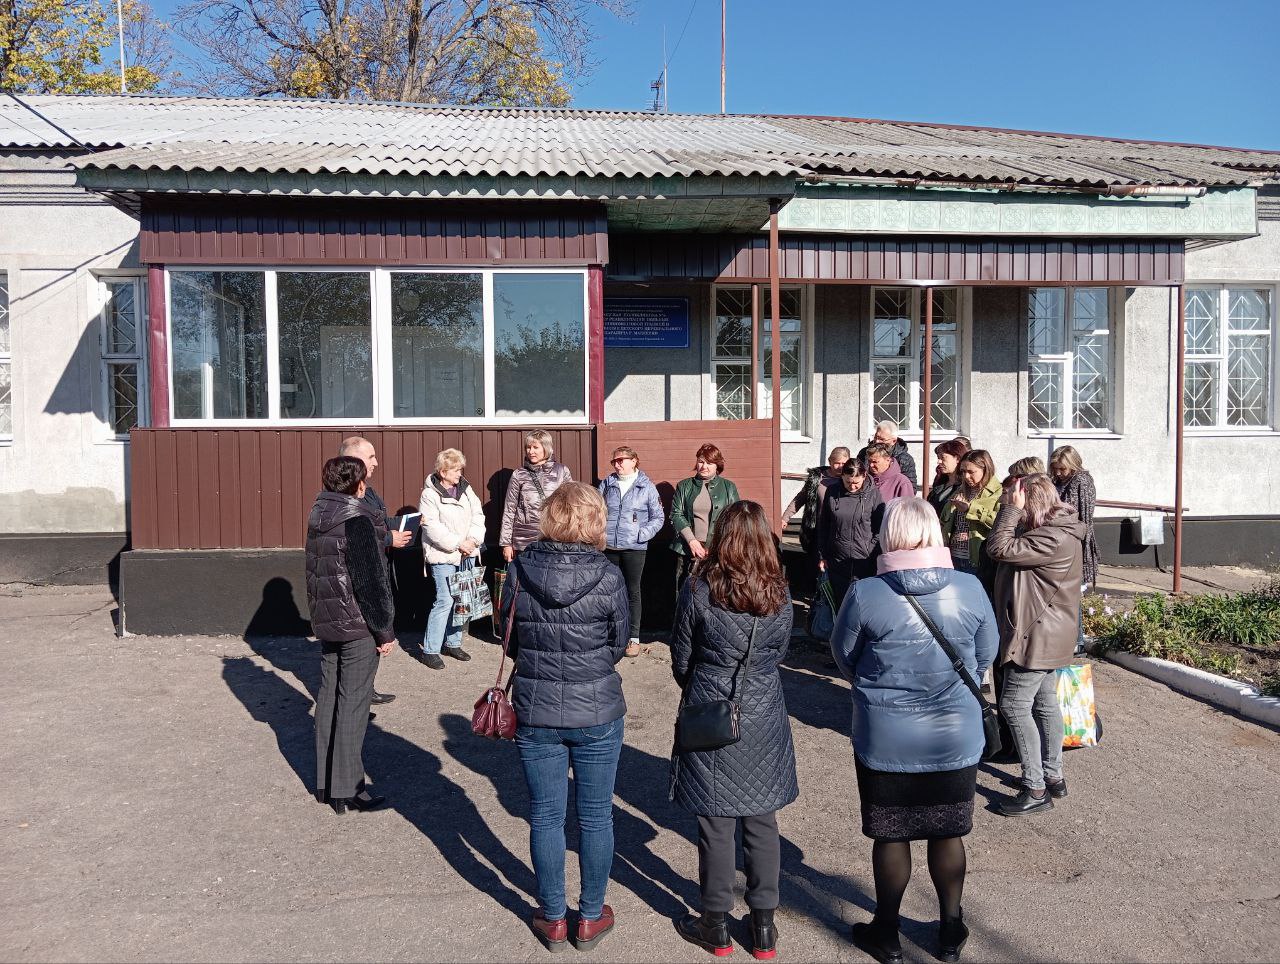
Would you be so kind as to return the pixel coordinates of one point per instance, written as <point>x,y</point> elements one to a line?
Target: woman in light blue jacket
<point>635,516</point>
<point>917,729</point>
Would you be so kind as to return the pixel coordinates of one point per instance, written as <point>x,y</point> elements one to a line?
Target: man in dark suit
<point>388,528</point>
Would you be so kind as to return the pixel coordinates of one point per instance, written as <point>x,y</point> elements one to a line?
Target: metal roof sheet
<point>294,136</point>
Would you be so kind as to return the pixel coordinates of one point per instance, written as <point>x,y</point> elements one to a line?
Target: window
<point>897,358</point>
<point>122,341</point>
<point>6,363</point>
<point>1069,363</point>
<point>1229,356</point>
<point>380,345</point>
<point>731,355</point>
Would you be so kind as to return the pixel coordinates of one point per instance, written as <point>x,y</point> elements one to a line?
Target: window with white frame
<point>1069,359</point>
<point>122,343</point>
<point>1229,356</point>
<point>731,355</point>
<point>897,357</point>
<point>421,345</point>
<point>6,363</point>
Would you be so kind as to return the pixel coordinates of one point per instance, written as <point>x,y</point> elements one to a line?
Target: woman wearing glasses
<point>634,517</point>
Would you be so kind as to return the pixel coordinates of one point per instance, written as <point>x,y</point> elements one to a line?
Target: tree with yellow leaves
<point>70,47</point>
<point>518,53</point>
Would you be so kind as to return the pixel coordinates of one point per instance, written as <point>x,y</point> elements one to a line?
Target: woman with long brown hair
<point>732,627</point>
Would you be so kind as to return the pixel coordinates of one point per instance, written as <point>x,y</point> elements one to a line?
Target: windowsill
<point>797,437</point>
<point>934,437</point>
<point>1226,432</point>
<point>6,442</point>
<point>1076,434</point>
<point>113,440</point>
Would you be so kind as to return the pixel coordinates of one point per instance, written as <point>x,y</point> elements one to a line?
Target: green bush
<point>1270,684</point>
<point>1168,629</point>
<point>1243,619</point>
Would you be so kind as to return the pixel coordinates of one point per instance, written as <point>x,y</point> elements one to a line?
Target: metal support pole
<point>755,352</point>
<point>775,315</point>
<point>1179,432</point>
<point>722,35</point>
<point>926,415</point>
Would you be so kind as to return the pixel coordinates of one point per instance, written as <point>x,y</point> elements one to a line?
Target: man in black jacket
<point>388,528</point>
<point>349,596</point>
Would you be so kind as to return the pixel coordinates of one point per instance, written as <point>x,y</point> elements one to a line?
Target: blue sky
<point>1201,71</point>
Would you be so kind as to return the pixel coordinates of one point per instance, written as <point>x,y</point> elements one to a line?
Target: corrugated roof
<point>295,136</point>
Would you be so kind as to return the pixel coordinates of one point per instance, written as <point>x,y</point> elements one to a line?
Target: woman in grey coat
<point>917,728</point>
<point>735,606</point>
<point>530,485</point>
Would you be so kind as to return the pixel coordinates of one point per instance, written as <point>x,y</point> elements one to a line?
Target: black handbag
<point>715,724</point>
<point>990,717</point>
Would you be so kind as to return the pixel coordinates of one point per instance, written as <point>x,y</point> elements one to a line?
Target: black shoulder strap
<point>745,666</point>
<point>534,474</point>
<point>956,662</point>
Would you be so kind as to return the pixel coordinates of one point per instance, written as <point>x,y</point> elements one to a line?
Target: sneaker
<point>458,653</point>
<point>431,660</point>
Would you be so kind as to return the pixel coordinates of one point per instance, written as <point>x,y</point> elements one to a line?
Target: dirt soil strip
<point>161,813</point>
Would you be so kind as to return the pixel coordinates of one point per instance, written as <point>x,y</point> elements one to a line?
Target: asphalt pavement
<point>157,809</point>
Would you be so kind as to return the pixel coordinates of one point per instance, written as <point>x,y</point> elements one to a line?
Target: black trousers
<point>717,861</point>
<point>342,714</point>
<point>631,562</point>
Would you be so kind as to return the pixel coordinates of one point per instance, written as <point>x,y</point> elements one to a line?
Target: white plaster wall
<point>62,472</point>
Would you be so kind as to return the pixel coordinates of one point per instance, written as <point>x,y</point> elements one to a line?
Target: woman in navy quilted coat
<point>737,590</point>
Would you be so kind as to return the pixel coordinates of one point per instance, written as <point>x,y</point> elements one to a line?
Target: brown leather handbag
<point>494,716</point>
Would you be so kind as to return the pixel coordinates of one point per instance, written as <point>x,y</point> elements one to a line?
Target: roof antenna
<point>659,86</point>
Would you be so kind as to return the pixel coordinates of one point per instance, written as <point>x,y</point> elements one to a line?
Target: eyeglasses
<point>619,460</point>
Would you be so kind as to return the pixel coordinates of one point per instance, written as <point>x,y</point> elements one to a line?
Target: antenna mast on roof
<point>120,32</point>
<point>722,19</point>
<point>659,86</point>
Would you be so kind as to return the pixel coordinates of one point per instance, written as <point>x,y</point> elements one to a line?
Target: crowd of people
<point>981,574</point>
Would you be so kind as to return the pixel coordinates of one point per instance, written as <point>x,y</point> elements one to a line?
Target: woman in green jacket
<point>969,514</point>
<point>697,505</point>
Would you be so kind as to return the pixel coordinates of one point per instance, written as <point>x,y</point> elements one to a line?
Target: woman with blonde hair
<point>1076,488</point>
<point>571,627</point>
<point>1037,542</point>
<point>529,488</point>
<point>635,516</point>
<point>732,628</point>
<point>1027,465</point>
<point>452,534</point>
<point>917,727</point>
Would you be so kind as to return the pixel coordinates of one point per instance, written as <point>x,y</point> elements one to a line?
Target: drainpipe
<point>775,315</point>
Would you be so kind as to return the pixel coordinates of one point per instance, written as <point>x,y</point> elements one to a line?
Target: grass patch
<point>1210,632</point>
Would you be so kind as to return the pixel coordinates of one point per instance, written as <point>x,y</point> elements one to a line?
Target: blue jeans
<point>547,753</point>
<point>441,629</point>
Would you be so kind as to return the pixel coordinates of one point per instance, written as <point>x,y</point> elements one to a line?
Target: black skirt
<point>916,806</point>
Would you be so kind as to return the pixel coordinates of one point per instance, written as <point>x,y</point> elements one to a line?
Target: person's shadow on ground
<point>410,776</point>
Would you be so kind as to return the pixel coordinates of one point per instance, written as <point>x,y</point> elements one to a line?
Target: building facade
<point>201,297</point>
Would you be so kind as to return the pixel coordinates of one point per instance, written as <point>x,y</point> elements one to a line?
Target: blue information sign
<point>646,322</point>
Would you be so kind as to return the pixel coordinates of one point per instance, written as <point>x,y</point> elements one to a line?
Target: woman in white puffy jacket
<point>452,532</point>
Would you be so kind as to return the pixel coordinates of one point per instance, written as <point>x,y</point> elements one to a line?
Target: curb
<point>1219,690</point>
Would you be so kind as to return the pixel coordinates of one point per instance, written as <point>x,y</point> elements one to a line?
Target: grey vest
<point>335,615</point>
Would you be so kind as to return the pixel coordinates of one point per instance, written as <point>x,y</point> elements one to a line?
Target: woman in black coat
<point>736,605</point>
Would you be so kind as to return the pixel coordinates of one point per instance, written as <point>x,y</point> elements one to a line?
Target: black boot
<point>764,936</point>
<point>710,932</point>
<point>879,939</point>
<point>952,934</point>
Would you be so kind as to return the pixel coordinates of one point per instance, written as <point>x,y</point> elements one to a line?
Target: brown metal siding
<point>751,452</point>
<point>353,232</point>
<point>817,258</point>
<point>246,488</point>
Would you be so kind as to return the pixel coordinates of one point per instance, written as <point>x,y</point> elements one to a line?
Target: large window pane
<point>1248,379</point>
<point>218,329</point>
<point>122,318</point>
<point>732,336</point>
<point>539,345</point>
<point>1200,393</point>
<point>437,345</point>
<point>790,359</point>
<point>945,381</point>
<point>733,390</point>
<point>891,333</point>
<point>1045,320</point>
<point>1201,319</point>
<point>326,344</point>
<point>1045,389</point>
<point>1089,381</point>
<point>122,396</point>
<point>889,392</point>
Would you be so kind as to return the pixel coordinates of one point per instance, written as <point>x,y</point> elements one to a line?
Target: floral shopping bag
<point>1080,721</point>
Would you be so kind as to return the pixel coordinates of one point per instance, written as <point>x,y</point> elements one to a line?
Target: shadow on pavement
<point>410,776</point>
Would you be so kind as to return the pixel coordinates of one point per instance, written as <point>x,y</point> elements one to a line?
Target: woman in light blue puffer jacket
<point>635,516</point>
<point>917,729</point>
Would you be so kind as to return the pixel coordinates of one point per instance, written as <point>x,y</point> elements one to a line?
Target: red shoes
<point>592,932</point>
<point>554,934</point>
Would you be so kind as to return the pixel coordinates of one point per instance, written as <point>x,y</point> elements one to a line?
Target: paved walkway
<point>157,809</point>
